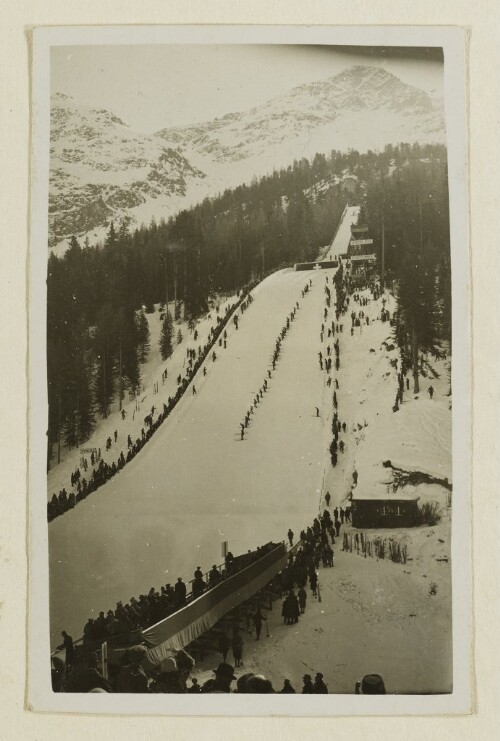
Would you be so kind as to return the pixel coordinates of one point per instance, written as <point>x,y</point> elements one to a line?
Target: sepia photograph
<point>249,370</point>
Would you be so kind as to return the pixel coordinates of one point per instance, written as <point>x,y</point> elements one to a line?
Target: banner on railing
<point>179,629</point>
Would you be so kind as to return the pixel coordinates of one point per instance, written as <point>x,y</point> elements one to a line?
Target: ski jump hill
<point>196,484</point>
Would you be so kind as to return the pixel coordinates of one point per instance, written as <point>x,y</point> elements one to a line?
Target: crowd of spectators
<point>124,624</point>
<point>135,673</point>
<point>174,676</point>
<point>81,486</point>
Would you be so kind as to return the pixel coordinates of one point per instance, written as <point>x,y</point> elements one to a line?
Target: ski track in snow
<point>195,483</point>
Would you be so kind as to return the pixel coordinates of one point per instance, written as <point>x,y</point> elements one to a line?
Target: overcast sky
<point>156,86</point>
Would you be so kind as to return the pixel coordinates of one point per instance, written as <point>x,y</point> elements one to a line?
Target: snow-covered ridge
<point>102,170</point>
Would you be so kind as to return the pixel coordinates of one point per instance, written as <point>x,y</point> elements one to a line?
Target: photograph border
<point>453,41</point>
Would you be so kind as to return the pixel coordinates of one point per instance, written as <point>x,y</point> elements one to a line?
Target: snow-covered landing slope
<point>195,484</point>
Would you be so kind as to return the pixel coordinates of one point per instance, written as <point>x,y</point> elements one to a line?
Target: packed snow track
<point>196,484</point>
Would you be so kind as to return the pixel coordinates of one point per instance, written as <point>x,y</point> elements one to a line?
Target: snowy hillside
<point>101,170</point>
<point>307,109</point>
<point>198,483</point>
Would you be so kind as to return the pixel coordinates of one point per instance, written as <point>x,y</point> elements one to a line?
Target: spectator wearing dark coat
<point>198,587</point>
<point>308,687</point>
<point>320,687</point>
<point>132,678</point>
<point>224,675</point>
<point>302,596</point>
<point>371,684</point>
<point>180,591</point>
<point>224,645</point>
<point>68,647</point>
<point>167,680</point>
<point>85,677</point>
<point>237,647</point>
<point>257,619</point>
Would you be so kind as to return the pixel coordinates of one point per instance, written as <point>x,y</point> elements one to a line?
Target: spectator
<point>302,597</point>
<point>86,677</point>
<point>198,587</point>
<point>287,688</point>
<point>185,665</point>
<point>68,647</point>
<point>89,631</point>
<point>167,680</point>
<point>320,687</point>
<point>132,678</point>
<point>241,683</point>
<point>224,645</point>
<point>308,688</point>
<point>237,647</point>
<point>180,591</point>
<point>224,675</point>
<point>214,576</point>
<point>257,684</point>
<point>371,684</point>
<point>258,619</point>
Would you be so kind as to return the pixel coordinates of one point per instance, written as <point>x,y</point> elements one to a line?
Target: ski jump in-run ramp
<point>196,483</point>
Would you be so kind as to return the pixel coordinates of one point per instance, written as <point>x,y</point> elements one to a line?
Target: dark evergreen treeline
<point>61,503</point>
<point>407,209</point>
<point>97,333</point>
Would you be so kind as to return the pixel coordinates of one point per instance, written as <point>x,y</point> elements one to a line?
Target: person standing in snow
<point>308,688</point>
<point>237,647</point>
<point>68,647</point>
<point>327,498</point>
<point>290,536</point>
<point>302,597</point>
<point>224,645</point>
<point>180,591</point>
<point>320,687</point>
<point>258,619</point>
<point>287,688</point>
<point>313,582</point>
<point>430,391</point>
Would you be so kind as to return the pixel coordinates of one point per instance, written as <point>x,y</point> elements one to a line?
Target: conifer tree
<point>143,335</point>
<point>105,339</point>
<point>166,336</point>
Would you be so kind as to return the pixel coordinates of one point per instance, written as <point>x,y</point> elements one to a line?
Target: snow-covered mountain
<point>358,92</point>
<point>103,170</point>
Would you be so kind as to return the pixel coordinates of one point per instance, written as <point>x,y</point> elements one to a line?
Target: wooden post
<point>104,659</point>
<point>382,276</point>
